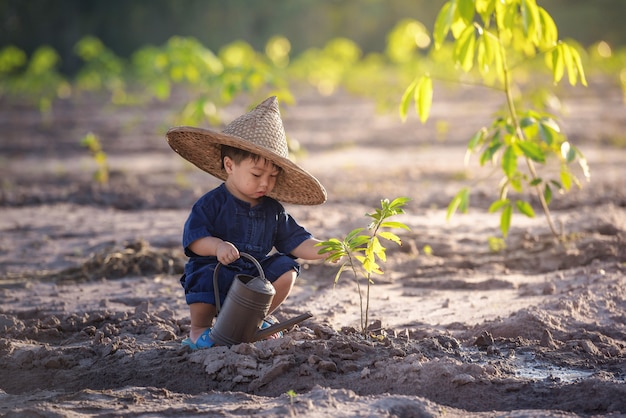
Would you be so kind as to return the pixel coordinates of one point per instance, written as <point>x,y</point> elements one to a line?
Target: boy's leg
<point>283,286</point>
<point>202,315</point>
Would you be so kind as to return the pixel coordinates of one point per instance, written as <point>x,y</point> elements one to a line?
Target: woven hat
<point>260,132</point>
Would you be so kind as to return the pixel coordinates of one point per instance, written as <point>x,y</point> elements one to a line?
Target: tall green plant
<point>361,253</point>
<point>491,38</point>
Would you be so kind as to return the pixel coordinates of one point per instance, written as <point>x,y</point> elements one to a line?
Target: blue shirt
<point>254,230</point>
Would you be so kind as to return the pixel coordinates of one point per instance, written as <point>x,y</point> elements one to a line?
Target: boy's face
<point>250,180</point>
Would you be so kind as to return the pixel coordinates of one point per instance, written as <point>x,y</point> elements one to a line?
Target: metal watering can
<point>245,307</point>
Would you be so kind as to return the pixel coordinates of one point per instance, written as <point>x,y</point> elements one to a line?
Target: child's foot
<point>203,341</point>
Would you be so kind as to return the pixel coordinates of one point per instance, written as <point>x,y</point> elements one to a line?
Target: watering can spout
<point>281,326</point>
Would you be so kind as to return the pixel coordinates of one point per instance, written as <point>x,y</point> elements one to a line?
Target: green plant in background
<point>91,142</point>
<point>491,38</point>
<point>211,80</point>
<point>35,79</point>
<point>363,252</point>
<point>101,70</point>
<point>327,68</point>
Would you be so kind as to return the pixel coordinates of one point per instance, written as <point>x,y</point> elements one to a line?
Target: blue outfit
<point>253,230</point>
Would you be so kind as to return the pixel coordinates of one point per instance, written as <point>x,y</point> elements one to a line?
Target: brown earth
<point>92,315</point>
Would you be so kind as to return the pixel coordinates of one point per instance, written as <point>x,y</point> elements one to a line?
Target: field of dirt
<point>92,314</point>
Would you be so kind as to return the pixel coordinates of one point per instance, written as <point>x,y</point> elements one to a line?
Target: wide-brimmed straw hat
<point>261,132</point>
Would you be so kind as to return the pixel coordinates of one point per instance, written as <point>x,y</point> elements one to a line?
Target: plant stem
<point>520,134</point>
<point>358,288</point>
<point>367,305</point>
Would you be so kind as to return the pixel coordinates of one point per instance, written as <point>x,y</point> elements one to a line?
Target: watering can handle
<point>215,285</point>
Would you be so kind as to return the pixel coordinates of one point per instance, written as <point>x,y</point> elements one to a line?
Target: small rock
<point>327,366</point>
<point>590,348</point>
<point>485,339</point>
<point>143,307</point>
<point>463,379</point>
<point>549,289</point>
<point>547,340</point>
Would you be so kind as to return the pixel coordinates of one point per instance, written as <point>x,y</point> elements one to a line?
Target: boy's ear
<point>228,163</point>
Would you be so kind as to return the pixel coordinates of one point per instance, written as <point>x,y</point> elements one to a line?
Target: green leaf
<point>390,224</point>
<point>505,220</point>
<point>531,20</point>
<point>525,208</point>
<point>547,194</point>
<point>357,241</point>
<point>546,133</point>
<point>532,151</point>
<point>377,248</point>
<point>399,201</point>
<point>459,24</point>
<point>551,123</point>
<point>484,54</point>
<point>424,98</point>
<point>391,237</point>
<point>581,70</point>
<point>509,162</point>
<point>464,49</point>
<point>369,265</point>
<point>566,178</point>
<point>353,234</point>
<point>527,121</point>
<point>341,269</point>
<point>499,204</point>
<point>406,99</point>
<point>466,10</point>
<point>485,8</point>
<point>477,139</point>
<point>459,202</point>
<point>443,23</point>
<point>557,63</point>
<point>499,63</point>
<point>570,64</point>
<point>489,153</point>
<point>516,183</point>
<point>578,65</point>
<point>526,16</point>
<point>549,31</point>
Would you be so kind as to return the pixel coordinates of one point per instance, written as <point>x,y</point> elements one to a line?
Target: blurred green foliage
<point>241,48</point>
<point>127,26</point>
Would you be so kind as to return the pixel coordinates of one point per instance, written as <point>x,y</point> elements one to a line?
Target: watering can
<point>245,307</point>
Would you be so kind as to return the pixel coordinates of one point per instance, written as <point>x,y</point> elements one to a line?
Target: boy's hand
<point>226,252</point>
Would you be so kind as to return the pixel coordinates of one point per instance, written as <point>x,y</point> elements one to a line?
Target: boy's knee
<point>286,280</point>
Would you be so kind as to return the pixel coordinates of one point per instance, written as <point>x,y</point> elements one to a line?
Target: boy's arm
<point>225,252</point>
<point>308,250</point>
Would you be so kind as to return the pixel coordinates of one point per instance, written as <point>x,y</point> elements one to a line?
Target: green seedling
<point>361,252</point>
<point>91,141</point>
<point>292,396</point>
<point>490,39</point>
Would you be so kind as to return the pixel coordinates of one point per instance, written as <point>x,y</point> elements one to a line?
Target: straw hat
<point>261,132</point>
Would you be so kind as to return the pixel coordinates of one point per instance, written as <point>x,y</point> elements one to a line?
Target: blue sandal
<point>268,322</point>
<point>203,341</point>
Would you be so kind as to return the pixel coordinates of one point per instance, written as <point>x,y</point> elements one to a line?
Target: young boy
<point>243,214</point>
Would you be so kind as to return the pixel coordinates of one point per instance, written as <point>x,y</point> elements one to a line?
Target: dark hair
<point>238,155</point>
